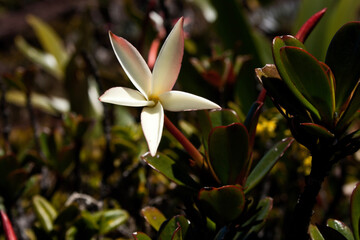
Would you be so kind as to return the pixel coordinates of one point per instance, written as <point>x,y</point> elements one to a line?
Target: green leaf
<point>49,40</point>
<point>69,214</point>
<point>43,59</point>
<point>256,220</point>
<point>140,236</point>
<point>153,216</point>
<point>330,234</point>
<point>266,163</point>
<point>229,152</point>
<point>45,212</point>
<point>111,219</point>
<point>169,228</point>
<point>176,171</point>
<point>350,112</point>
<point>343,57</point>
<point>317,130</point>
<point>279,91</point>
<point>307,75</point>
<point>177,234</point>
<point>222,204</point>
<point>355,211</point>
<point>341,228</point>
<point>315,233</point>
<point>278,44</point>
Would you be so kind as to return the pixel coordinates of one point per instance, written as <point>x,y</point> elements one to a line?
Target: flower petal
<point>125,96</point>
<point>152,122</point>
<point>168,63</point>
<point>133,63</point>
<point>182,101</point>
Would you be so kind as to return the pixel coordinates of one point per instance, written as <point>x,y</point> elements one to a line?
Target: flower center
<point>154,99</point>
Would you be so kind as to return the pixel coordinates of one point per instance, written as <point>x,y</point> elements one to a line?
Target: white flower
<point>154,89</point>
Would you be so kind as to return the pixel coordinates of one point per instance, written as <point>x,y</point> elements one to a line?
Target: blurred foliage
<point>73,168</point>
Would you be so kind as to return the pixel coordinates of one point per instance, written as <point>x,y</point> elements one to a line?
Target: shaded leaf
<point>343,57</point>
<point>266,163</point>
<point>153,216</point>
<point>67,215</point>
<point>169,227</point>
<point>341,228</point>
<point>355,211</point>
<point>229,152</point>
<point>351,111</point>
<point>330,234</point>
<point>306,74</point>
<point>176,171</point>
<point>222,204</point>
<point>317,130</point>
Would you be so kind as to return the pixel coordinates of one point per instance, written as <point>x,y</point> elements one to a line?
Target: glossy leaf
<point>317,130</point>
<point>176,171</point>
<point>169,228</point>
<point>279,91</point>
<point>222,204</point>
<point>351,111</point>
<point>49,39</point>
<point>355,211</point>
<point>341,228</point>
<point>153,216</point>
<point>229,152</point>
<point>278,44</point>
<point>45,212</point>
<point>330,234</point>
<point>308,76</point>
<point>266,163</point>
<point>315,234</point>
<point>343,57</point>
<point>140,236</point>
<point>8,229</point>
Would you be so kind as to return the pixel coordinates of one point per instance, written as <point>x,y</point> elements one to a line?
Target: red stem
<point>189,147</point>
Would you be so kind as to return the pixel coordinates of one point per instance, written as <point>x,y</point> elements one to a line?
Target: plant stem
<point>189,147</point>
<point>307,200</point>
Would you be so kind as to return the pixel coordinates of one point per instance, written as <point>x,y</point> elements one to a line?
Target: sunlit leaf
<point>49,40</point>
<point>153,216</point>
<point>111,219</point>
<point>315,233</point>
<point>140,236</point>
<point>45,212</point>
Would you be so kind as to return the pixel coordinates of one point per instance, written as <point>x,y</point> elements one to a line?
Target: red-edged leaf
<point>309,25</point>
<point>222,204</point>
<point>355,211</point>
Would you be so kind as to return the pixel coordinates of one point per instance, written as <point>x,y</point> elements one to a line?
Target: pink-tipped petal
<point>133,63</point>
<point>152,122</point>
<point>125,97</point>
<point>168,63</point>
<point>182,101</point>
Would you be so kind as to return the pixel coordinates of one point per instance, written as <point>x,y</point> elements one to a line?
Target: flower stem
<point>188,146</point>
